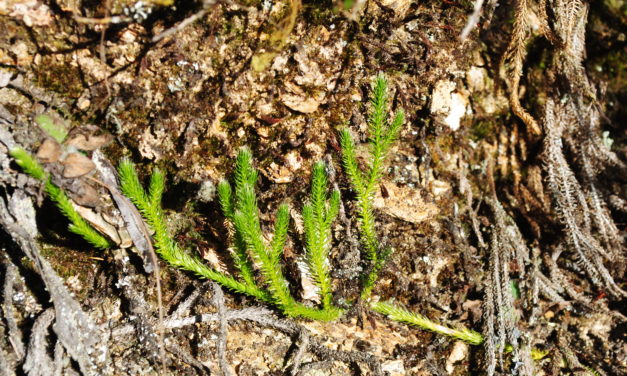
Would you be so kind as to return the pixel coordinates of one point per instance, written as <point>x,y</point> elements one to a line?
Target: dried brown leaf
<point>49,151</point>
<point>87,195</point>
<point>76,164</point>
<point>98,222</point>
<point>89,142</point>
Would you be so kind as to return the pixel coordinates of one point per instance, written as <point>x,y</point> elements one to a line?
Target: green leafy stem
<point>78,225</point>
<point>257,261</point>
<point>366,182</point>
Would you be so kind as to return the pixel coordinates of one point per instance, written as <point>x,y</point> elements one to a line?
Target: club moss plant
<point>366,182</point>
<point>240,208</point>
<point>400,314</point>
<point>318,216</point>
<point>78,225</point>
<point>258,261</point>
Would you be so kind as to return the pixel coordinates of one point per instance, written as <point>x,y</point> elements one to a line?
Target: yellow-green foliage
<point>78,225</point>
<point>402,315</point>
<point>240,207</point>
<point>365,183</point>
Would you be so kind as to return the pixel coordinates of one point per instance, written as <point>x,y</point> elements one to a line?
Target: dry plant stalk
<point>571,121</point>
<point>572,206</point>
<point>502,334</point>
<point>514,59</point>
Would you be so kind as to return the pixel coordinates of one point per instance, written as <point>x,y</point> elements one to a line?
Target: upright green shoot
<point>365,183</point>
<point>241,208</point>
<point>248,227</point>
<point>149,205</point>
<point>240,256</point>
<point>318,215</point>
<point>78,225</point>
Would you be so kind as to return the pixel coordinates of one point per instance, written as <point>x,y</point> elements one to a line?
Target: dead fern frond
<point>570,26</point>
<point>571,360</point>
<point>601,217</point>
<point>501,317</point>
<point>513,60</point>
<point>581,132</point>
<point>571,204</point>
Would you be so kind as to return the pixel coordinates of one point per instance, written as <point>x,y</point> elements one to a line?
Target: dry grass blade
<point>218,301</point>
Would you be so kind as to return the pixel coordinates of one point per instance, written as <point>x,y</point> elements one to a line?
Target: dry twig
<point>74,328</point>
<point>206,4</point>
<point>38,362</point>
<point>218,302</point>
<point>473,19</point>
<point>15,334</point>
<point>187,358</point>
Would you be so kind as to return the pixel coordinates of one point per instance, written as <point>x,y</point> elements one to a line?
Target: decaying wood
<point>14,333</point>
<point>80,336</point>
<point>38,362</point>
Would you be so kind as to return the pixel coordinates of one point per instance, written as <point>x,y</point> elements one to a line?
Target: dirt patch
<point>467,180</point>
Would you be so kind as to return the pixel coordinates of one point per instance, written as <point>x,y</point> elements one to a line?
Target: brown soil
<point>188,102</point>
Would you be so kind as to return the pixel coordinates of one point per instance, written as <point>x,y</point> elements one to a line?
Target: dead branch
<point>38,362</point>
<point>188,358</point>
<point>74,328</point>
<point>15,334</point>
<point>295,366</point>
<point>186,305</point>
<point>218,302</point>
<point>247,314</point>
